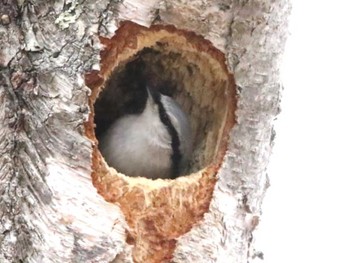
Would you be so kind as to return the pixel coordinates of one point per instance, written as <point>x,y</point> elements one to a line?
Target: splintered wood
<point>160,211</point>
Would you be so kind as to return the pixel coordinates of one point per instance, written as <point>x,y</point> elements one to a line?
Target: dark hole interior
<point>188,77</point>
<point>123,93</point>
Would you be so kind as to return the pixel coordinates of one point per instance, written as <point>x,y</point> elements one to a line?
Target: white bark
<point>49,208</point>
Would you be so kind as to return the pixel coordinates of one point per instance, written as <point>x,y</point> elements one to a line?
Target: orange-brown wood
<point>160,211</point>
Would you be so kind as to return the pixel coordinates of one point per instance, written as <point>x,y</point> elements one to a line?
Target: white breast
<point>138,145</point>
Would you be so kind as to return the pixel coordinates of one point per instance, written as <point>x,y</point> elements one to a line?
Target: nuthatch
<point>156,143</point>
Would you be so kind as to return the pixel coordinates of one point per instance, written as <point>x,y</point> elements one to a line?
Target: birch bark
<point>49,208</point>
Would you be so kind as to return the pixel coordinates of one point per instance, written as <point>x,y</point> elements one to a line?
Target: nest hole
<point>188,68</point>
<point>185,76</point>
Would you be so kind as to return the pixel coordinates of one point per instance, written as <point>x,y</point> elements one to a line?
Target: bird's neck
<point>164,117</point>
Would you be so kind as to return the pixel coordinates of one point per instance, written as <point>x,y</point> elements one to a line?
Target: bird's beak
<point>152,93</point>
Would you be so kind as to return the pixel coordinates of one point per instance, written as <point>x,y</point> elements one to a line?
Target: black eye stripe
<point>175,140</point>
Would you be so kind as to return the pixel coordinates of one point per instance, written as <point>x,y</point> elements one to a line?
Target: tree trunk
<point>60,202</point>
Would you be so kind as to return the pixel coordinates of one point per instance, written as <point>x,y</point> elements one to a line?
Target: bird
<point>154,143</point>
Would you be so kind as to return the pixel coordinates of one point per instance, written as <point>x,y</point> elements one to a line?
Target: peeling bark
<point>49,209</point>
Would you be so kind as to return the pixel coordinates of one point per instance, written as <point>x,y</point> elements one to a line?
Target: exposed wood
<point>49,209</point>
<point>158,212</point>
